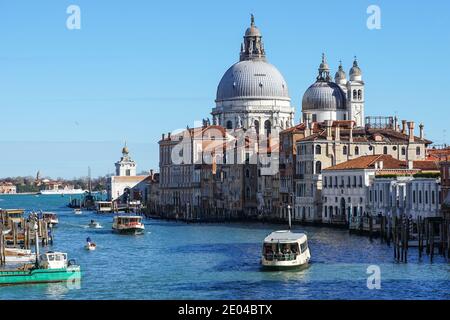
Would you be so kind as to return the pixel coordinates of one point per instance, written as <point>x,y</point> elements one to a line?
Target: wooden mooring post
<point>2,247</point>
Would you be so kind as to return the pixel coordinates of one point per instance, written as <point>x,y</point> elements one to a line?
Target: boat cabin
<point>284,245</point>
<point>8,217</point>
<point>128,221</point>
<point>53,260</point>
<point>104,206</point>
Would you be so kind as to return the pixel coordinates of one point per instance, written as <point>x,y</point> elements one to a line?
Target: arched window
<point>247,193</point>
<point>359,94</point>
<point>247,173</point>
<point>256,126</point>
<point>318,167</point>
<point>318,149</point>
<point>344,150</point>
<point>356,151</point>
<point>354,94</point>
<point>287,124</point>
<point>418,151</point>
<point>403,151</point>
<point>229,124</point>
<point>267,127</point>
<point>385,150</point>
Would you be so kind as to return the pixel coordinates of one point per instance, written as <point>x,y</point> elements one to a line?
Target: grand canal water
<point>220,261</point>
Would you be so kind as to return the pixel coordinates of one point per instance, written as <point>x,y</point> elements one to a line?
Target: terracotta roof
<point>438,154</point>
<point>389,163</point>
<point>426,165</point>
<point>368,162</point>
<point>365,135</point>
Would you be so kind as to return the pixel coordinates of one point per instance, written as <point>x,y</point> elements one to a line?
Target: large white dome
<point>252,79</point>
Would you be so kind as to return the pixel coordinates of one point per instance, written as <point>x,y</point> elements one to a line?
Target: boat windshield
<point>281,251</point>
<point>130,220</point>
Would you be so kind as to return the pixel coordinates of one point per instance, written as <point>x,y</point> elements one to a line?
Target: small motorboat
<point>95,225</point>
<point>90,246</point>
<point>77,211</point>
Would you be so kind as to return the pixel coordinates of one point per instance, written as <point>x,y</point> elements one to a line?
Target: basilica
<point>253,96</point>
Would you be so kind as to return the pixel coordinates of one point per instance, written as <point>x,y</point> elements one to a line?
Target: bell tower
<point>355,95</point>
<point>125,166</point>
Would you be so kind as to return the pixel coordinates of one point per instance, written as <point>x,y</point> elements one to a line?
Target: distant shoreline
<point>19,194</point>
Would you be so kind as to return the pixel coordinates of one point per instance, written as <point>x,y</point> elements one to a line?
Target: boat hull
<point>130,231</point>
<point>40,276</point>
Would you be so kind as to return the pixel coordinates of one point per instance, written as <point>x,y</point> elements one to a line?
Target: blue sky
<point>70,98</point>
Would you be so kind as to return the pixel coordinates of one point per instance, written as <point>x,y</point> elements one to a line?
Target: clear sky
<point>70,98</point>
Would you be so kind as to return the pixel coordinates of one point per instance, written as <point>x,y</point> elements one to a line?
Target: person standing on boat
<point>88,240</point>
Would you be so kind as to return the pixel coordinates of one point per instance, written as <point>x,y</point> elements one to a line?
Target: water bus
<point>128,224</point>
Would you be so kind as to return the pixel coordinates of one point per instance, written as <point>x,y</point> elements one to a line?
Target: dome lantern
<point>252,48</point>
<point>324,70</point>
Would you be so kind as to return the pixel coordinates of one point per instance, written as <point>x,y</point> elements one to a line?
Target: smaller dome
<point>355,70</point>
<point>340,74</point>
<point>324,95</point>
<point>253,32</point>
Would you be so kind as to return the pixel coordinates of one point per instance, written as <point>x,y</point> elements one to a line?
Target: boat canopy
<point>53,260</point>
<point>285,236</point>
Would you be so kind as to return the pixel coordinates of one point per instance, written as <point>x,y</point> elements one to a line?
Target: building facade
<point>338,141</point>
<point>126,186</point>
<point>7,188</point>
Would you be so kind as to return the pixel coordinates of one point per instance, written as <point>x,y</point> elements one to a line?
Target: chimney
<point>337,133</point>
<point>350,138</point>
<point>151,173</point>
<point>308,124</point>
<point>328,124</point>
<point>404,126</point>
<point>395,124</point>
<point>421,131</point>
<point>411,131</point>
<point>380,165</point>
<point>163,136</point>
<point>168,135</point>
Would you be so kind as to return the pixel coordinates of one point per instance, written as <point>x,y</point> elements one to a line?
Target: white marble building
<point>126,186</point>
<point>252,92</point>
<point>339,100</point>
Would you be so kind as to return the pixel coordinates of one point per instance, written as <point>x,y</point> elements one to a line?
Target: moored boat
<point>51,218</point>
<point>50,267</point>
<point>77,211</point>
<point>128,224</point>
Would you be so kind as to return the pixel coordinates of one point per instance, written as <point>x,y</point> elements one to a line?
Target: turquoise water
<point>214,261</point>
